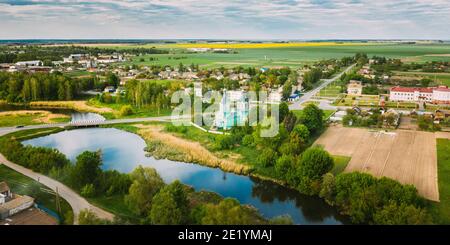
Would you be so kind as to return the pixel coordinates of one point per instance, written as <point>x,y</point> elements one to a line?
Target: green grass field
<point>340,163</point>
<point>332,90</point>
<point>439,78</point>
<point>441,210</point>
<point>291,56</point>
<point>359,100</point>
<point>27,119</point>
<point>21,185</point>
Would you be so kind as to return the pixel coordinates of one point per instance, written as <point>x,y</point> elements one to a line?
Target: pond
<point>123,151</point>
<point>76,116</point>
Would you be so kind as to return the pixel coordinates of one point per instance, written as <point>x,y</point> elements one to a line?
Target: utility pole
<point>58,204</point>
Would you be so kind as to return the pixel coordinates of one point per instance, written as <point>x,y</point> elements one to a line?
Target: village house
<point>10,203</point>
<point>75,58</point>
<point>436,95</point>
<point>354,87</point>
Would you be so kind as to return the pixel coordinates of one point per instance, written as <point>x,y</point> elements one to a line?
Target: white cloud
<point>252,19</point>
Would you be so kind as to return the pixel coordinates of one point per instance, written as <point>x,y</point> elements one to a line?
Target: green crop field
<point>290,56</point>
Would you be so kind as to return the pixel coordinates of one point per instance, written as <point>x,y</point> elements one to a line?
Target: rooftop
<point>411,89</point>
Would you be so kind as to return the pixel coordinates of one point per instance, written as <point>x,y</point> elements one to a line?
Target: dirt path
<point>405,155</point>
<point>77,202</point>
<point>193,150</point>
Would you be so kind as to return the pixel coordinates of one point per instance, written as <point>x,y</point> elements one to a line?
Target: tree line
<point>25,87</point>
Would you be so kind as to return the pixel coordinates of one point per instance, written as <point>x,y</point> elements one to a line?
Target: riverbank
<point>77,105</point>
<point>165,145</point>
<point>29,117</point>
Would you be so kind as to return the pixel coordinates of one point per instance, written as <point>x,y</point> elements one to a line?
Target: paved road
<point>308,95</point>
<point>7,130</point>
<point>77,202</point>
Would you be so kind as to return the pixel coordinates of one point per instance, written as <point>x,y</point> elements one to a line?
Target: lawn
<point>340,163</point>
<point>275,56</point>
<point>441,210</point>
<point>22,185</point>
<point>332,90</point>
<point>359,100</point>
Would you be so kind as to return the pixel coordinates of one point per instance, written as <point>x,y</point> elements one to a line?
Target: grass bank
<point>25,117</point>
<point>24,185</point>
<point>441,210</point>
<point>114,110</point>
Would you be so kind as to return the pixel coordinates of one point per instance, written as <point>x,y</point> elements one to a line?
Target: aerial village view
<point>90,135</point>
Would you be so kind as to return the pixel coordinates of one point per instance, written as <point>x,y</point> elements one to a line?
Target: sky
<point>225,19</point>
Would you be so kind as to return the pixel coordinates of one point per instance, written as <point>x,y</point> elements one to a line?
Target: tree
<point>312,118</point>
<point>170,205</point>
<point>281,220</point>
<point>302,131</point>
<point>112,79</point>
<point>328,188</point>
<point>164,210</point>
<point>283,110</point>
<point>146,182</point>
<point>289,121</point>
<point>393,214</point>
<point>314,163</point>
<point>87,169</point>
<point>267,157</point>
<point>284,166</point>
<point>228,212</point>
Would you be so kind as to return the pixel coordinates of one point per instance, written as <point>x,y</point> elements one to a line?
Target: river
<point>123,151</point>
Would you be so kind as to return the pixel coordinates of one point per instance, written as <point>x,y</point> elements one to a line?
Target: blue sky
<point>222,19</point>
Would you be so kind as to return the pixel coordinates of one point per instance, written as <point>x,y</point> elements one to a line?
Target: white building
<point>436,95</point>
<point>233,109</point>
<point>29,63</point>
<point>441,95</point>
<point>354,88</point>
<point>410,94</point>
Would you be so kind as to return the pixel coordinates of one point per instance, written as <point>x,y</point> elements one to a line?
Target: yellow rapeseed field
<point>263,45</point>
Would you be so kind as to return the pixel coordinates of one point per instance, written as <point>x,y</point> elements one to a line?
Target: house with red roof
<point>437,95</point>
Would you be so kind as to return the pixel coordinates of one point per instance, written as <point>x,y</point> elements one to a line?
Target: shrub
<point>126,110</point>
<point>88,190</point>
